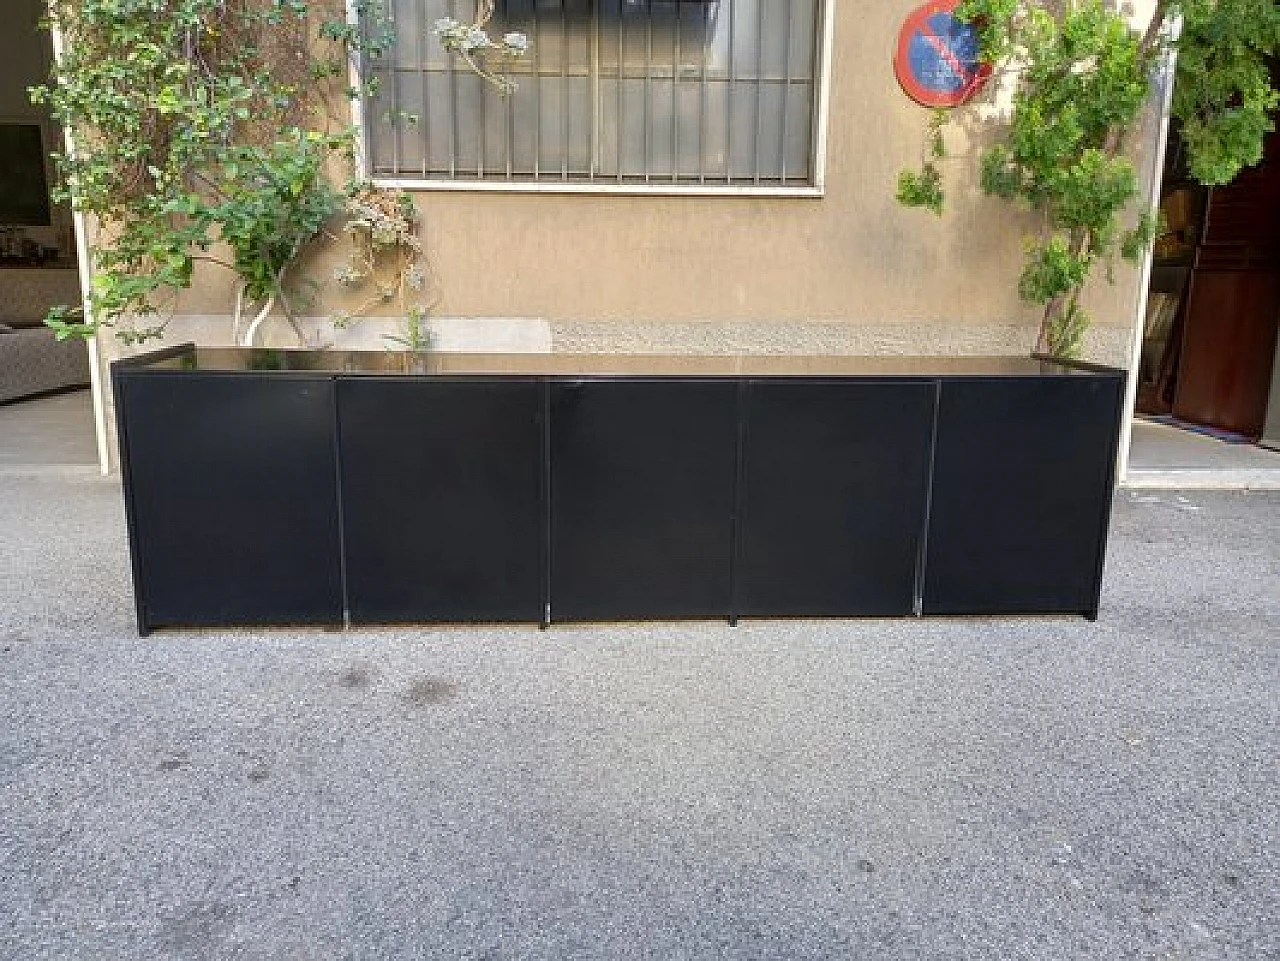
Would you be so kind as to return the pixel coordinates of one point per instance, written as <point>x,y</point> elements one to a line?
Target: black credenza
<point>329,487</point>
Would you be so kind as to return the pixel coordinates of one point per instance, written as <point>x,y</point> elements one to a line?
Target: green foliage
<point>198,123</point>
<point>1081,76</point>
<point>936,143</point>
<point>1091,192</point>
<point>1223,97</point>
<point>924,188</point>
<point>993,20</point>
<point>273,202</point>
<point>1135,242</point>
<point>416,336</point>
<point>1000,175</point>
<point>1083,84</point>
<point>1052,270</point>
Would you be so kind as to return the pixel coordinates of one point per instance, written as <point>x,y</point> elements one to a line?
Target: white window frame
<point>818,145</point>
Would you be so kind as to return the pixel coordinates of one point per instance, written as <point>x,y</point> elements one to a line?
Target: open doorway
<point>1208,392</point>
<point>46,404</point>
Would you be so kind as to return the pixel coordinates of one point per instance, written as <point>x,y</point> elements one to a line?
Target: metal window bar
<point>675,97</point>
<point>620,125</point>
<point>786,92</point>
<point>508,135</point>
<point>564,90</point>
<point>536,80</point>
<point>755,147</point>
<point>455,125</point>
<point>593,107</point>
<point>648,88</point>
<point>733,86</point>
<point>425,119</point>
<point>508,132</point>
<point>726,28</point>
<point>482,128</point>
<point>707,36</point>
<point>395,120</point>
<point>364,76</point>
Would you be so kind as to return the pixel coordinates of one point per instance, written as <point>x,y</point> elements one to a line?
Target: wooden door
<point>1233,306</point>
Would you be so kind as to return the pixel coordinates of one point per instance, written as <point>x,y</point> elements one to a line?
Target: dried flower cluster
<point>482,54</point>
<point>386,254</point>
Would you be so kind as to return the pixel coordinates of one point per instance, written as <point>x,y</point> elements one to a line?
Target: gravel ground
<point>971,788</point>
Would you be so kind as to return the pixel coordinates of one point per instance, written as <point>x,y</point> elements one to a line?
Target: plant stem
<point>1112,146</point>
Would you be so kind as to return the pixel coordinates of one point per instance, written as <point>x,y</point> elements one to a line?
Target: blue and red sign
<point>937,62</point>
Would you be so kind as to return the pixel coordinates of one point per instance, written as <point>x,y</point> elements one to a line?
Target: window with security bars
<point>611,91</point>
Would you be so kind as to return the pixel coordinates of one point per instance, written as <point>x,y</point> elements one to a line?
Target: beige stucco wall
<point>850,272</point>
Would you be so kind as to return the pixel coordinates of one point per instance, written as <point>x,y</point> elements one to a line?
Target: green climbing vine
<point>202,134</point>
<point>218,132</point>
<point>1080,77</point>
<point>923,188</point>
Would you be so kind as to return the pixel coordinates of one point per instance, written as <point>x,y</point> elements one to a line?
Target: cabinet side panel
<point>234,492</point>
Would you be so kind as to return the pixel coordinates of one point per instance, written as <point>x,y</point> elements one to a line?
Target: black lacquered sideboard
<point>329,487</point>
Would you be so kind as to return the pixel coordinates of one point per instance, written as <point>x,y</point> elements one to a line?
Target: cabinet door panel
<point>442,499</point>
<point>642,481</point>
<point>232,484</point>
<point>1023,476</point>
<point>834,488</point>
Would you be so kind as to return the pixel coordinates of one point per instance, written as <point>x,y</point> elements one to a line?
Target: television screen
<point>24,188</point>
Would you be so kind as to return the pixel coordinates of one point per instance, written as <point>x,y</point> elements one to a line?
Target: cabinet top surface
<point>433,363</point>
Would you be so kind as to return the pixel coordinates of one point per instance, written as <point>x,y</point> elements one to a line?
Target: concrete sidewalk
<point>1016,788</point>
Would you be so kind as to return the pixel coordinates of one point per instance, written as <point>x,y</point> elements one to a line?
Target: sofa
<point>32,360</point>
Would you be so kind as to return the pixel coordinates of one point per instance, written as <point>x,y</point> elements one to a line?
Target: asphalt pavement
<point>1002,788</point>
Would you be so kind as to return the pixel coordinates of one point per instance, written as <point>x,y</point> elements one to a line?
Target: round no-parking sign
<point>937,60</point>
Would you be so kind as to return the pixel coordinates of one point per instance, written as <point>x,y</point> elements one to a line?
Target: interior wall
<point>24,60</point>
<point>26,56</point>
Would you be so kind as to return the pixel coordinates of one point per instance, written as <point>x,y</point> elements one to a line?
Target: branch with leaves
<point>1081,77</point>
<point>200,126</point>
<point>211,125</point>
<point>923,188</point>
